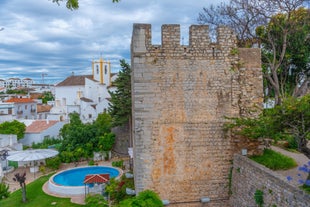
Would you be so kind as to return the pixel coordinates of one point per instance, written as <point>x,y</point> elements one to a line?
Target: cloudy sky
<point>40,37</point>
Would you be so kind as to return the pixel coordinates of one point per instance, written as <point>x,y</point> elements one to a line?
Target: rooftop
<point>75,80</point>
<point>39,126</point>
<point>20,100</point>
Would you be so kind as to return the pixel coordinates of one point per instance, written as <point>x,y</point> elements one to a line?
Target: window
<point>89,116</point>
<point>105,69</point>
<point>26,107</point>
<point>97,69</point>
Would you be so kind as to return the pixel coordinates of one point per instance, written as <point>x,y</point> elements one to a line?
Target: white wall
<point>52,132</point>
<point>69,93</point>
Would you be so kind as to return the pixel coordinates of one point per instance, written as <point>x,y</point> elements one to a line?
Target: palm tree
<point>21,178</point>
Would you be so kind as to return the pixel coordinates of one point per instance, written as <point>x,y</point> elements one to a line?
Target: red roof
<point>96,178</point>
<point>39,126</point>
<point>20,100</point>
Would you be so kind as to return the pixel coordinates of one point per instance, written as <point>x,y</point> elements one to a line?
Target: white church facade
<point>87,95</point>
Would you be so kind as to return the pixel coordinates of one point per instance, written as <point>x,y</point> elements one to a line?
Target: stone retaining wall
<point>249,176</point>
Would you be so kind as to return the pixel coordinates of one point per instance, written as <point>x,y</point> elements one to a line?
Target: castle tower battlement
<point>199,41</point>
<point>181,95</point>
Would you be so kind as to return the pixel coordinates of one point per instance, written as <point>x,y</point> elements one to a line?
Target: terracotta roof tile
<point>20,100</point>
<point>96,178</point>
<point>39,126</point>
<point>74,80</point>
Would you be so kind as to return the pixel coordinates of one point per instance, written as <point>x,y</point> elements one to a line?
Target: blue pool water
<point>75,176</point>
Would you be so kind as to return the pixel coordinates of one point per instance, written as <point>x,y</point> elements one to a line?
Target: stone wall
<point>249,176</point>
<point>121,140</point>
<point>181,95</point>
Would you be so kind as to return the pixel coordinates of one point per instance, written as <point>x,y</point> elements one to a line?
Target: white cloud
<point>40,36</point>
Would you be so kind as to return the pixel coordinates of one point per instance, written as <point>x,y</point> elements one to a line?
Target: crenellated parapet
<point>199,41</point>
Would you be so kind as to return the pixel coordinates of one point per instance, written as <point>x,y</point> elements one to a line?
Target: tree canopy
<point>285,44</point>
<point>13,127</point>
<point>120,103</point>
<point>81,140</point>
<point>47,96</point>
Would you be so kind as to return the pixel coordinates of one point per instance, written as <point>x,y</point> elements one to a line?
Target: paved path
<point>300,158</point>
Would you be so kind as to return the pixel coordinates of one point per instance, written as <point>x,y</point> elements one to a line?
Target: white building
<point>40,129</point>
<point>87,94</point>
<point>19,108</point>
<point>16,82</point>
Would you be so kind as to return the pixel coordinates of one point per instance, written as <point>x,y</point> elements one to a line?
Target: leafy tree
<point>76,135</point>
<point>47,96</point>
<point>81,140</point>
<point>278,32</point>
<point>4,191</point>
<point>21,178</point>
<point>74,4</point>
<point>291,119</point>
<point>13,127</point>
<point>285,45</point>
<point>120,103</point>
<point>106,141</point>
<point>103,123</point>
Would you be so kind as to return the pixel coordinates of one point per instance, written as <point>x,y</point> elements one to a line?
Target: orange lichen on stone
<point>169,159</point>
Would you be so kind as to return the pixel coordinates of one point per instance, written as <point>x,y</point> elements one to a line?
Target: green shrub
<point>275,160</point>
<point>117,188</point>
<point>292,144</point>
<point>42,169</point>
<point>4,191</point>
<point>119,163</point>
<point>95,200</point>
<point>47,142</point>
<point>259,198</point>
<point>13,164</point>
<point>53,163</point>
<point>145,198</point>
<point>91,162</point>
<point>66,156</point>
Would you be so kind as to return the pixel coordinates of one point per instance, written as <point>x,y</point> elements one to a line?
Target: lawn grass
<point>36,197</point>
<point>275,160</point>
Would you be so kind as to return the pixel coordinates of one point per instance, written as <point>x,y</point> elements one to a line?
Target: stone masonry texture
<point>249,176</point>
<point>181,95</point>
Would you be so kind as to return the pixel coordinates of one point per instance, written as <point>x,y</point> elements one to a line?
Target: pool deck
<point>78,199</point>
<point>13,186</point>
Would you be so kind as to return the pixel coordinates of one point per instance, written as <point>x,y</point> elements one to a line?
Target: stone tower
<point>181,95</point>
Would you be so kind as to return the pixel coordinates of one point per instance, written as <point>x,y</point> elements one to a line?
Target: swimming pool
<point>70,182</point>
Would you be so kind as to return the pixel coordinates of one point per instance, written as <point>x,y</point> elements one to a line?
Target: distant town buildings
<point>85,94</point>
<point>16,82</point>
